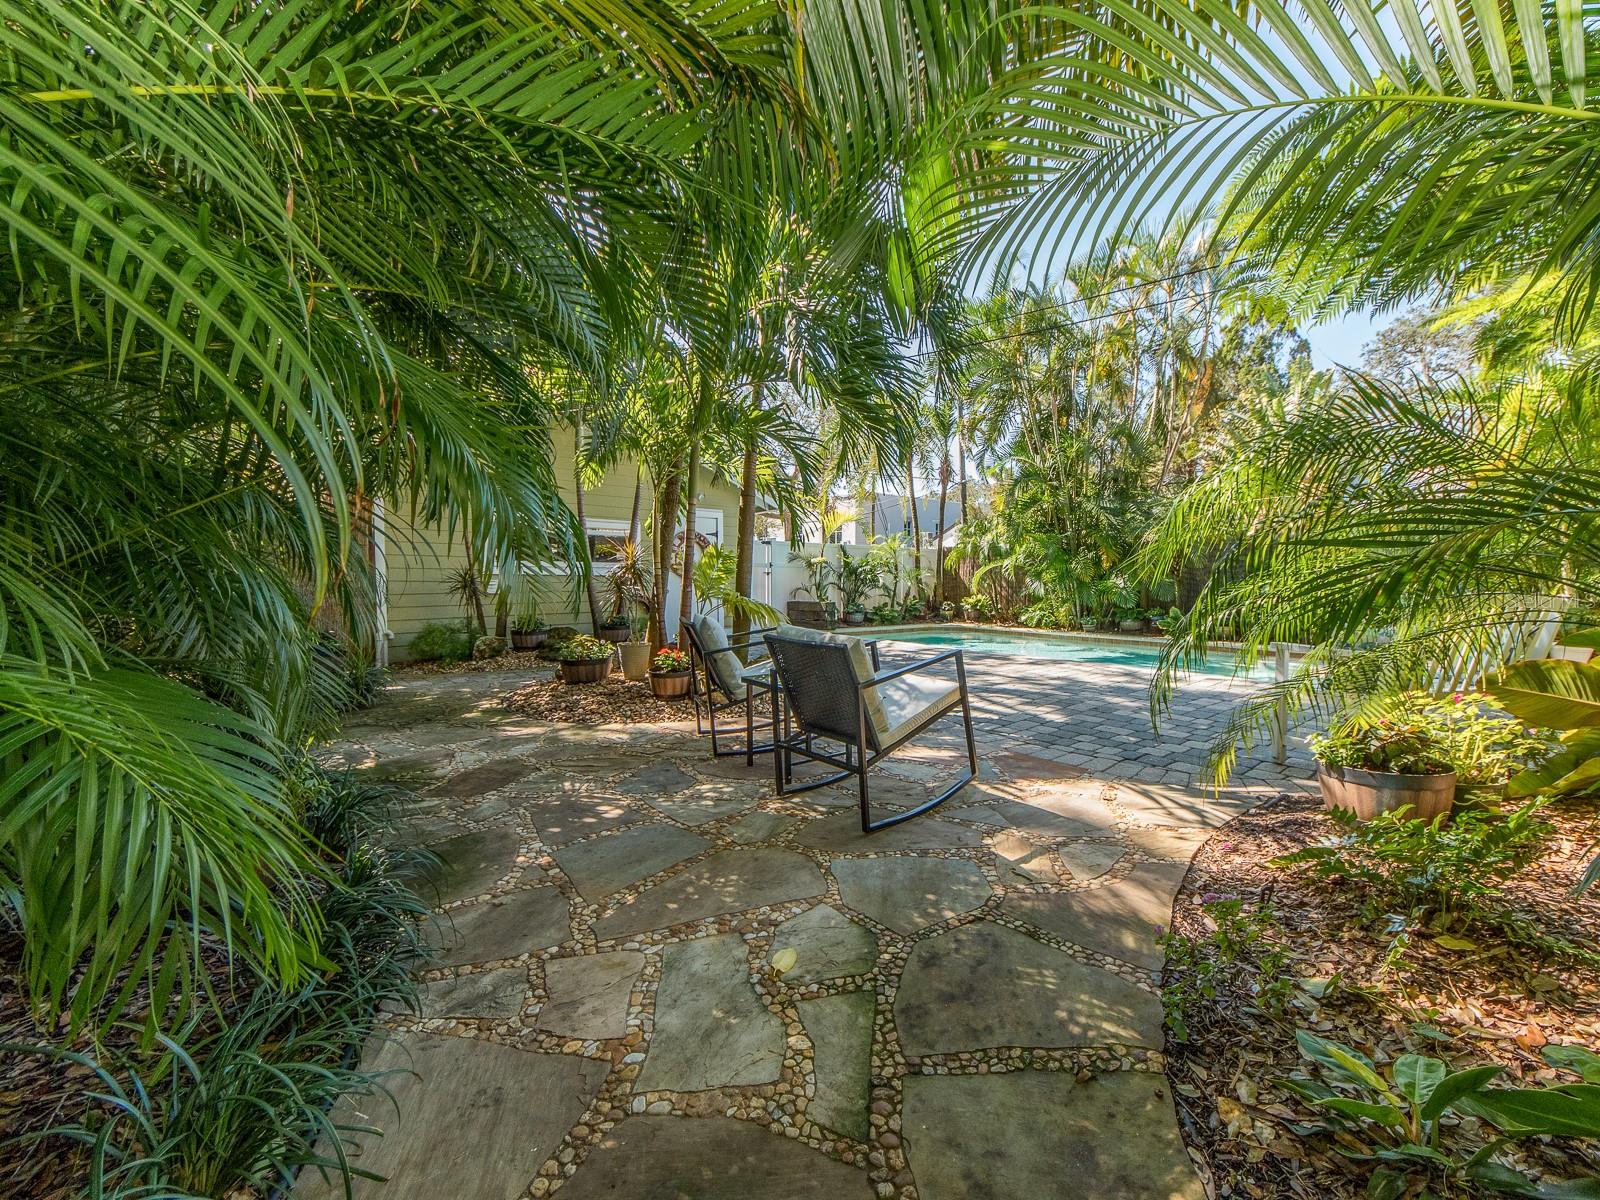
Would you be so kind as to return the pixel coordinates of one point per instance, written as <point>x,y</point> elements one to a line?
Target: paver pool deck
<point>973,1008</point>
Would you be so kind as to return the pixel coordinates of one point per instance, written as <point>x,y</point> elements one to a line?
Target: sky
<point>1338,343</point>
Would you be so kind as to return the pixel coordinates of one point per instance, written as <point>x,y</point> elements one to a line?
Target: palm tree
<point>269,269</point>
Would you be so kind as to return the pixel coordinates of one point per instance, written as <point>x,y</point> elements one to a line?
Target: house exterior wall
<point>419,561</point>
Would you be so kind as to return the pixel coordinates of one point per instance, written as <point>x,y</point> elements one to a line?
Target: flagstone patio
<point>972,1011</point>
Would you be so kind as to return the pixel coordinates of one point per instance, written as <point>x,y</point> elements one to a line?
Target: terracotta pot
<point>635,660</point>
<point>585,672</point>
<point>1368,794</point>
<point>529,639</point>
<point>671,685</point>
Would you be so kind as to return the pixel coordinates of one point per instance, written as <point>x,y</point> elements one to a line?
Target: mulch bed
<point>512,660</point>
<point>1495,1003</point>
<point>612,701</point>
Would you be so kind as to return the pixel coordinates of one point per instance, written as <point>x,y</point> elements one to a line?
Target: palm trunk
<point>666,526</point>
<point>938,553</point>
<point>744,566</point>
<point>961,451</point>
<point>916,524</point>
<point>474,591</point>
<point>635,526</point>
<point>586,565</point>
<point>686,592</point>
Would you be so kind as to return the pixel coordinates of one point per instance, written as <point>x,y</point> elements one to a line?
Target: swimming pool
<point>1065,647</point>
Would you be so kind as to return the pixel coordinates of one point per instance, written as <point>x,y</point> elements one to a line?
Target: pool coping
<point>1055,635</point>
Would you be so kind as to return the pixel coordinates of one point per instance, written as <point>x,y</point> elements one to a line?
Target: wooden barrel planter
<point>1368,794</point>
<point>671,685</point>
<point>585,672</point>
<point>529,639</point>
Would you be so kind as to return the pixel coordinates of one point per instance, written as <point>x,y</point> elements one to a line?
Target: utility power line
<point>1074,322</point>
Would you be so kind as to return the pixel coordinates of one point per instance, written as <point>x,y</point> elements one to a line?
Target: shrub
<point>1239,958</point>
<point>1419,867</point>
<point>584,648</point>
<point>1392,1115</point>
<point>443,641</point>
<point>234,1106</point>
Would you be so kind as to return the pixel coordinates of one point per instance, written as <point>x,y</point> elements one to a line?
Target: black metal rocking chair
<point>723,681</point>
<point>835,692</point>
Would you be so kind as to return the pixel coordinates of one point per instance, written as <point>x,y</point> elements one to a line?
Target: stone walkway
<point>972,1009</point>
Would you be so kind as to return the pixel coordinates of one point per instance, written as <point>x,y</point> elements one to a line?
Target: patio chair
<point>836,692</point>
<point>724,681</point>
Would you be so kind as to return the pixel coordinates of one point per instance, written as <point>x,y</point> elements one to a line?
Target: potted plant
<point>1488,746</point>
<point>976,606</point>
<point>1399,761</point>
<point>1088,622</point>
<point>1166,622</point>
<point>528,631</point>
<point>947,611</point>
<point>584,659</point>
<point>635,652</point>
<point>1130,620</point>
<point>671,673</point>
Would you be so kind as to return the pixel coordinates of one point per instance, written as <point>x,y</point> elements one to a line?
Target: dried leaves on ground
<point>514,660</point>
<point>1469,1000</point>
<point>612,701</point>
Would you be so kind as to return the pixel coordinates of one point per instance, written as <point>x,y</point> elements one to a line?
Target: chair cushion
<point>725,667</point>
<point>880,717</point>
<point>906,702</point>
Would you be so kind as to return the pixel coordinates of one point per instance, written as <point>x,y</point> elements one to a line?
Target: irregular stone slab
<point>712,1030</point>
<point>496,995</point>
<point>566,817</point>
<point>1034,820</point>
<point>1090,860</point>
<point>827,944</point>
<point>657,779</point>
<point>907,894</point>
<point>425,764</point>
<point>984,985</point>
<point>1018,860</point>
<point>589,995</point>
<point>478,780</point>
<point>1179,845</point>
<point>714,1158</point>
<point>1017,765</point>
<point>840,833</point>
<point>704,802</point>
<point>604,865</point>
<point>889,794</point>
<point>1160,804</point>
<point>760,827</point>
<point>472,863</point>
<point>504,927</point>
<point>727,882</point>
<point>1114,1136</point>
<point>468,1118</point>
<point>840,1028</point>
<point>1119,919</point>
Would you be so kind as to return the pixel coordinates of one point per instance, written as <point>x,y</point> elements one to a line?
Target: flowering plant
<point>669,659</point>
<point>583,648</point>
<point>1426,735</point>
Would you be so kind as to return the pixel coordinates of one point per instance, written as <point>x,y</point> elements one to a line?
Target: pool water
<point>1063,647</point>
